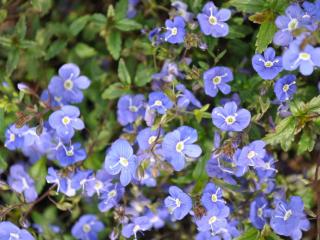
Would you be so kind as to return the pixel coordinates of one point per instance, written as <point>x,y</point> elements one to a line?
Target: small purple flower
<point>158,218</point>
<point>159,102</point>
<point>132,11</point>
<point>259,212</point>
<point>289,219</point>
<point>87,227</point>
<point>252,155</point>
<point>267,168</point>
<point>178,203</point>
<point>214,220</point>
<point>175,30</point>
<point>212,196</point>
<point>130,107</point>
<point>285,87</point>
<point>65,120</point>
<point>287,24</point>
<point>20,181</point>
<point>312,9</point>
<point>186,98</point>
<point>139,224</point>
<point>68,155</point>
<point>64,183</point>
<point>69,83</point>
<point>155,36</point>
<point>9,231</point>
<point>216,79</point>
<point>15,137</point>
<point>212,20</point>
<point>181,9</point>
<point>267,66</point>
<point>147,137</point>
<point>168,73</point>
<point>52,101</point>
<point>229,118</point>
<point>98,184</point>
<point>120,159</point>
<point>179,145</point>
<point>111,197</point>
<point>305,59</point>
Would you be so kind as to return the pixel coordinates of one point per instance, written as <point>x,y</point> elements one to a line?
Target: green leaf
<point>3,15</point>
<point>314,105</point>
<point>123,73</point>
<point>265,35</point>
<point>78,25</point>
<point>249,6</point>
<point>85,51</point>
<point>121,9</point>
<point>307,141</point>
<point>127,25</point>
<point>284,133</point>
<point>38,172</point>
<point>42,6</point>
<point>143,75</point>
<point>3,163</point>
<point>55,48</point>
<point>249,234</point>
<point>113,42</point>
<point>13,60</point>
<point>21,27</point>
<point>114,91</point>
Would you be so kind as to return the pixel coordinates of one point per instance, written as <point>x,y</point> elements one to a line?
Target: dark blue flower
<point>15,137</point>
<point>175,30</point>
<point>111,196</point>
<point>178,203</point>
<point>267,66</point>
<point>120,159</point>
<point>259,212</point>
<point>216,79</point>
<point>179,145</point>
<point>285,87</point>
<point>87,227</point>
<point>229,118</point>
<point>212,196</point>
<point>68,84</point>
<point>68,155</point>
<point>212,20</point>
<point>289,219</point>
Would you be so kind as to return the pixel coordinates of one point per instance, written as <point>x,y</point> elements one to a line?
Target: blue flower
<point>68,84</point>
<point>111,196</point>
<point>179,145</point>
<point>214,220</point>
<point>130,107</point>
<point>87,227</point>
<point>212,196</point>
<point>216,79</point>
<point>50,100</point>
<point>312,9</point>
<point>175,30</point>
<point>186,99</point>
<point>120,159</point>
<point>287,24</point>
<point>65,120</point>
<point>305,58</point>
<point>9,231</point>
<point>158,218</point>
<point>64,183</point>
<point>229,118</point>
<point>266,169</point>
<point>139,224</point>
<point>212,20</point>
<point>98,184</point>
<point>159,102</point>
<point>132,11</point>
<point>68,155</point>
<point>181,9</point>
<point>259,212</point>
<point>169,72</point>
<point>15,137</point>
<point>267,66</point>
<point>252,154</point>
<point>178,203</point>
<point>288,219</point>
<point>20,181</point>
<point>147,137</point>
<point>285,87</point>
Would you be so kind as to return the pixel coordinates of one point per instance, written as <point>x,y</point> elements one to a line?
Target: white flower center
<point>287,215</point>
<point>12,137</point>
<point>66,120</point>
<point>174,31</point>
<point>213,20</point>
<point>14,236</point>
<point>304,56</point>
<point>136,228</point>
<point>214,198</point>
<point>230,120</point>
<point>212,220</point>
<point>112,193</point>
<point>86,228</point>
<point>260,212</point>
<point>268,64</point>
<point>133,109</point>
<point>158,103</point>
<point>124,162</point>
<point>68,84</point>
<point>152,139</point>
<point>216,80</point>
<point>180,146</point>
<point>69,153</point>
<point>251,154</point>
<point>98,184</point>
<point>285,87</point>
<point>293,24</point>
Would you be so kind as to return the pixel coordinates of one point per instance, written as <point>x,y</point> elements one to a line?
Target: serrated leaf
<point>114,91</point>
<point>127,25</point>
<point>314,105</point>
<point>249,6</point>
<point>307,141</point>
<point>265,35</point>
<point>123,73</point>
<point>85,51</point>
<point>78,25</point>
<point>114,44</point>
<point>21,27</point>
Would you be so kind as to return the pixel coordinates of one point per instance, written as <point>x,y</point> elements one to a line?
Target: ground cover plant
<point>159,119</point>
